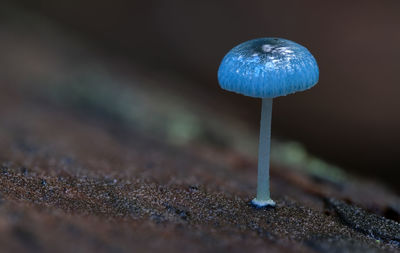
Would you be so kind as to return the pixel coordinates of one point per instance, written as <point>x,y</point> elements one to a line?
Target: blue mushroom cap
<point>268,68</point>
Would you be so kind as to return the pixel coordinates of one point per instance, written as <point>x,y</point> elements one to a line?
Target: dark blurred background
<point>351,118</point>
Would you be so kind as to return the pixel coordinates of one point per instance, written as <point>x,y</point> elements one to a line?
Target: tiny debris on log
<point>367,223</point>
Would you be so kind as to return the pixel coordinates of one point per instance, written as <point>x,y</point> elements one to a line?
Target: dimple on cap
<point>268,68</point>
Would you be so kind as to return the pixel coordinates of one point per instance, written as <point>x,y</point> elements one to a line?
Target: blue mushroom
<point>267,68</point>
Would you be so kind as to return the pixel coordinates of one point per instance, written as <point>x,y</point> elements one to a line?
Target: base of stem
<point>263,203</point>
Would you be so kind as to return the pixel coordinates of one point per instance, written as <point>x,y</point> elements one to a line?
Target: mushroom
<point>267,68</point>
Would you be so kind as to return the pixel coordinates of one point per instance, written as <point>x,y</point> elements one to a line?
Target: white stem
<point>263,195</point>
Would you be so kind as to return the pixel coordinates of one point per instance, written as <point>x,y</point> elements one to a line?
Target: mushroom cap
<point>268,68</point>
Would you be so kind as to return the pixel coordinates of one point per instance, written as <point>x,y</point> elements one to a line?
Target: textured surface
<point>268,67</point>
<point>367,223</point>
<point>75,179</point>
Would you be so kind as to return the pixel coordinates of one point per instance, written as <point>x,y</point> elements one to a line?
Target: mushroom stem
<point>263,196</point>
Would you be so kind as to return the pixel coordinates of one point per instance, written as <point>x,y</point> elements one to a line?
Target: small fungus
<point>267,68</point>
